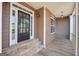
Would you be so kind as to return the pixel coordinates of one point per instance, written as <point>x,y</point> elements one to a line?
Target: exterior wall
<point>62,27</point>
<point>26,5</point>
<point>35,25</point>
<point>5,24</point>
<point>49,35</point>
<point>40,23</point>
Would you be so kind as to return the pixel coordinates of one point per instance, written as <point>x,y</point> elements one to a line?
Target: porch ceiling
<point>55,7</point>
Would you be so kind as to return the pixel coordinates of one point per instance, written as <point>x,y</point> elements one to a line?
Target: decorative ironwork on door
<point>23,26</point>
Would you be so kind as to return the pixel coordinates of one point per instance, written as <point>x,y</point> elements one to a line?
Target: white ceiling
<point>55,7</point>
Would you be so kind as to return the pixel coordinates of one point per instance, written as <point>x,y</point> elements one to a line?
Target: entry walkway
<point>58,47</point>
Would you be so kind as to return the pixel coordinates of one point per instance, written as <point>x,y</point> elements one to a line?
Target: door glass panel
<point>31,25</point>
<point>23,26</point>
<point>19,22</point>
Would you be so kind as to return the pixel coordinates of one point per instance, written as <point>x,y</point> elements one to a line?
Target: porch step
<point>28,47</point>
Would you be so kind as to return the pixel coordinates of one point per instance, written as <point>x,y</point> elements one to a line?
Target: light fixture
<point>37,14</point>
<point>62,14</point>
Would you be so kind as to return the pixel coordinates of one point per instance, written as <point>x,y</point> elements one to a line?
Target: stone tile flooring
<point>24,48</point>
<point>58,47</point>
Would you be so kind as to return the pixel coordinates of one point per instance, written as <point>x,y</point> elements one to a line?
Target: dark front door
<point>23,26</point>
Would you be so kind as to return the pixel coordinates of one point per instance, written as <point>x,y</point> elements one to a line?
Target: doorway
<point>23,26</point>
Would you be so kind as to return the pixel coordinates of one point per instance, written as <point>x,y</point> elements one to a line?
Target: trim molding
<point>0,27</point>
<point>44,42</point>
<point>17,4</point>
<point>77,49</point>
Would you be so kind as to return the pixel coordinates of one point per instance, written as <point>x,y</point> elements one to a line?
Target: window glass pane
<point>20,23</point>
<point>24,22</point>
<point>74,24</point>
<point>52,29</point>
<point>52,22</point>
<point>13,24</point>
<point>13,31</point>
<point>52,26</point>
<point>13,12</point>
<point>31,25</point>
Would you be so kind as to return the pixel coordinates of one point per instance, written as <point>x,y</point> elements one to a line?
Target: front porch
<point>28,48</point>
<point>48,35</point>
<point>57,47</point>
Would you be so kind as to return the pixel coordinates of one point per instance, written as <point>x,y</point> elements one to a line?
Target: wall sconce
<point>62,14</point>
<point>37,14</point>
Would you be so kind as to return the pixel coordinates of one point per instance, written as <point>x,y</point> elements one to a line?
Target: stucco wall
<point>62,27</point>
<point>40,23</point>
<point>49,35</point>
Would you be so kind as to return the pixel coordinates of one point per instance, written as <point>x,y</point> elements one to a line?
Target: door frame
<point>31,15</point>
<point>0,27</point>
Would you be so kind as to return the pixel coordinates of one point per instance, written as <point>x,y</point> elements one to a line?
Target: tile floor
<point>58,47</point>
